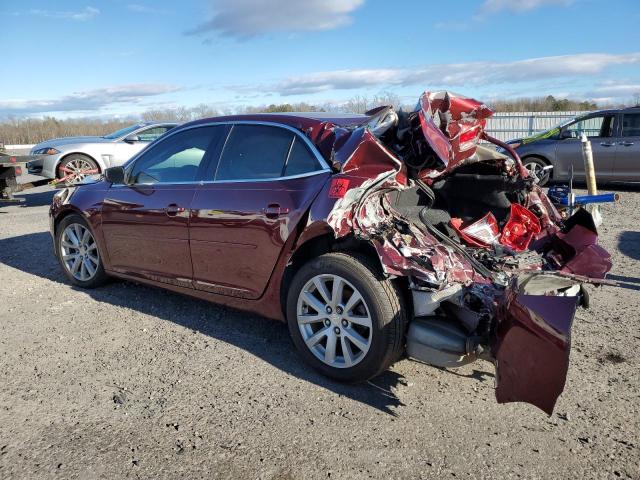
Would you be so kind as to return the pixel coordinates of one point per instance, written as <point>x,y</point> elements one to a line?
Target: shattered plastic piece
<point>481,233</point>
<point>522,226</point>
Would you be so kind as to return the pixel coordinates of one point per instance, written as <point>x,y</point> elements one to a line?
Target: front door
<point>628,152</point>
<point>600,132</point>
<point>265,181</point>
<point>145,222</point>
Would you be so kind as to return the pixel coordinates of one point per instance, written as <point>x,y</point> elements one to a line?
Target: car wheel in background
<point>345,319</point>
<point>535,166</point>
<point>78,253</point>
<point>78,166</point>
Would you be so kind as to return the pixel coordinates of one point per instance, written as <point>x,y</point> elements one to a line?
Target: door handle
<point>607,144</point>
<point>626,144</point>
<point>274,210</point>
<point>173,210</point>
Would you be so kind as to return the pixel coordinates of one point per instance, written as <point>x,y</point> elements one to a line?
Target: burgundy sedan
<point>374,236</point>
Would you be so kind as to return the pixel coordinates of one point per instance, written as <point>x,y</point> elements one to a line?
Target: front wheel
<point>536,168</point>
<point>78,253</point>
<point>344,318</point>
<point>77,166</point>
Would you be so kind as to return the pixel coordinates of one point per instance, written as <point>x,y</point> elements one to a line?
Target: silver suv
<point>615,140</point>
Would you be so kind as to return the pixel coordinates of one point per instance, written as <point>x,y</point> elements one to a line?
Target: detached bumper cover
<point>531,349</point>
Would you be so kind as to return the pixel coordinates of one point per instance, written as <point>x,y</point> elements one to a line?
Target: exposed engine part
<point>426,303</point>
<point>437,341</point>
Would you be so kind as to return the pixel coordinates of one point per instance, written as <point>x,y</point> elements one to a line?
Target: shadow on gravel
<point>266,339</point>
<point>37,199</point>
<point>629,244</point>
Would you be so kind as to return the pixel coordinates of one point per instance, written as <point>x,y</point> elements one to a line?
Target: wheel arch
<point>84,154</point>
<point>324,241</point>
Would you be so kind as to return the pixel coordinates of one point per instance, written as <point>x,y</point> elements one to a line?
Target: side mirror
<point>115,175</point>
<point>132,138</point>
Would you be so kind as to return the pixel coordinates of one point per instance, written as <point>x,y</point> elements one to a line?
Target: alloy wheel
<point>334,321</point>
<point>79,252</point>
<point>78,168</point>
<point>536,170</point>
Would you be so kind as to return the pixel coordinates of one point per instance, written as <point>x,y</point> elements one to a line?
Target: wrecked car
<point>373,236</point>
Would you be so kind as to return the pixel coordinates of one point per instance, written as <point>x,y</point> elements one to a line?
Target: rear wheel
<point>535,166</point>
<point>77,166</point>
<point>78,253</point>
<point>344,318</point>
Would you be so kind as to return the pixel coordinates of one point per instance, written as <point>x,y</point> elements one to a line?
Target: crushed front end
<point>493,269</point>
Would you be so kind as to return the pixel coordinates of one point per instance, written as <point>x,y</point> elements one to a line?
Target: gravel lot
<point>130,381</point>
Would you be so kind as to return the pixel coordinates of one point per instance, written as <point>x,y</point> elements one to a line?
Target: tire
<point>90,271</point>
<point>76,162</point>
<point>531,163</point>
<point>380,302</point>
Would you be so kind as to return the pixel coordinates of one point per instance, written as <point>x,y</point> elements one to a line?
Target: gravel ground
<point>131,381</point>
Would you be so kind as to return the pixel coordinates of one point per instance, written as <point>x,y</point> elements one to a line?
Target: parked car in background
<point>615,140</point>
<point>372,236</point>
<point>75,157</point>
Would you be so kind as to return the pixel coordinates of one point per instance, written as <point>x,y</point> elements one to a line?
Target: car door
<point>132,144</point>
<point>600,130</point>
<point>145,222</point>
<point>263,184</point>
<point>627,166</point>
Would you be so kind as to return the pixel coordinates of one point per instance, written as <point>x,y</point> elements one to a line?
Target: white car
<point>75,157</point>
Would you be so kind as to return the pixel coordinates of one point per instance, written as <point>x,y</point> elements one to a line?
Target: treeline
<point>542,104</point>
<point>33,130</point>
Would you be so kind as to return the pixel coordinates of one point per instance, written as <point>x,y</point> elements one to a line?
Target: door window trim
<point>324,166</point>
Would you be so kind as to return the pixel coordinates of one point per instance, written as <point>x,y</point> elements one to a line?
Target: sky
<point>85,58</point>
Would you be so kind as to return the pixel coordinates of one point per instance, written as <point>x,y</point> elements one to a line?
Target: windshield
<point>122,132</point>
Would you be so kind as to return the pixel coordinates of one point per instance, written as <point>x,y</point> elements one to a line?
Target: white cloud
<point>613,90</point>
<point>455,74</point>
<point>87,13</point>
<point>519,6</point>
<point>90,100</point>
<point>248,18</point>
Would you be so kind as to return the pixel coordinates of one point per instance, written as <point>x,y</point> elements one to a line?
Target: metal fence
<point>508,125</point>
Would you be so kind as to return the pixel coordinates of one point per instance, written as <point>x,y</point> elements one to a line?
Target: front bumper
<point>45,165</point>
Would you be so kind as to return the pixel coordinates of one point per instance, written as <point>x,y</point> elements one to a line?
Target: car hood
<point>59,142</point>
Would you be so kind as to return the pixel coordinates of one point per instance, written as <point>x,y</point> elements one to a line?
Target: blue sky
<point>120,57</point>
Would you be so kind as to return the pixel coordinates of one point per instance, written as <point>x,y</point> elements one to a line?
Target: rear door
<point>145,223</point>
<point>600,129</point>
<point>266,178</point>
<point>628,151</point>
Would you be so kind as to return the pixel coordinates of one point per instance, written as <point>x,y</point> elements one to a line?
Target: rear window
<point>254,152</point>
<point>300,160</point>
<point>631,125</point>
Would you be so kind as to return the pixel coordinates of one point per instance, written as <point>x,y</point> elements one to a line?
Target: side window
<point>150,134</point>
<point>631,125</point>
<point>300,160</point>
<point>254,152</point>
<point>178,157</point>
<point>592,127</point>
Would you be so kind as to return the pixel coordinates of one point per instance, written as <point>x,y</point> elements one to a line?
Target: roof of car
<point>299,120</point>
<point>634,109</point>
